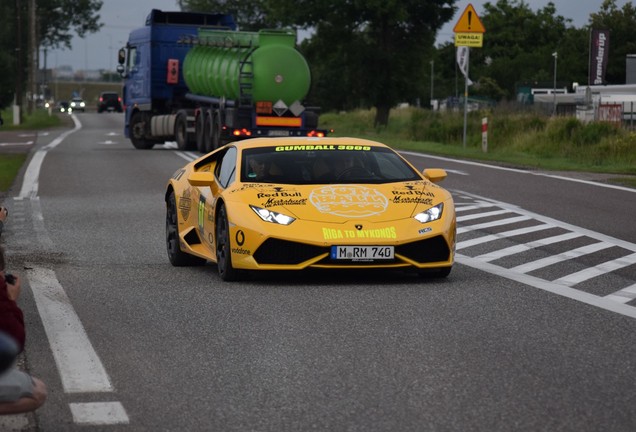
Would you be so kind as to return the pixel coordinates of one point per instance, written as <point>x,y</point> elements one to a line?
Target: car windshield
<point>320,164</point>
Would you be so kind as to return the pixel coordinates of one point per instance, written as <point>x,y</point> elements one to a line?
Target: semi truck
<point>194,78</point>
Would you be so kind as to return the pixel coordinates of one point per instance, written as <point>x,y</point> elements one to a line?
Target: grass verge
<point>525,140</point>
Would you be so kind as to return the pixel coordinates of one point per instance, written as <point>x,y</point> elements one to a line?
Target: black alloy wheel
<point>177,257</point>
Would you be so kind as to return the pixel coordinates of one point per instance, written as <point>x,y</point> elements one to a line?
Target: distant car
<point>63,106</point>
<point>78,104</point>
<point>109,101</point>
<point>297,203</point>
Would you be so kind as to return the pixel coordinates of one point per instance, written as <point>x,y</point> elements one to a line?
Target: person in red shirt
<point>19,392</point>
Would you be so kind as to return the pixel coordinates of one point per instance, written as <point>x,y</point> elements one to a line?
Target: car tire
<point>216,130</point>
<point>223,250</point>
<point>137,132</point>
<point>177,257</point>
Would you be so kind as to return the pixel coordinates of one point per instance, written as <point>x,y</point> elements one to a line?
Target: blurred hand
<point>13,290</point>
<point>3,213</point>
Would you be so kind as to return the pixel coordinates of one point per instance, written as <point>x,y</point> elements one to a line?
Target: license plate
<point>362,253</point>
<point>278,133</point>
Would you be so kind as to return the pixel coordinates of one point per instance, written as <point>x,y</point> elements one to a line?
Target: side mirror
<point>121,56</point>
<point>201,178</point>
<point>121,70</point>
<point>435,175</point>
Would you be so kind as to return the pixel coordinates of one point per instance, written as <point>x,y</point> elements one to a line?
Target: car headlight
<point>82,104</point>
<point>270,216</point>
<point>431,214</point>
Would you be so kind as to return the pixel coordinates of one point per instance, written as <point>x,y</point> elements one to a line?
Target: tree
<point>378,49</point>
<point>250,15</point>
<point>368,53</point>
<point>57,22</point>
<point>519,43</point>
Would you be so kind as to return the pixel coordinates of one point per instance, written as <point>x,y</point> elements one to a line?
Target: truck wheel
<point>181,131</point>
<point>216,131</point>
<point>208,130</point>
<point>200,131</point>
<point>138,132</point>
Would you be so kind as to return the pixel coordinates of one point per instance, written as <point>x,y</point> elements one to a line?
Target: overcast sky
<point>99,50</point>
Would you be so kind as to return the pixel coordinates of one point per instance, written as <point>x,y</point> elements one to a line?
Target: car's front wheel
<point>177,257</point>
<point>223,252</point>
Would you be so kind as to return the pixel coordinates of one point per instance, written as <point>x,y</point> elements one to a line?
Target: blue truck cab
<point>194,79</point>
<point>151,66</point>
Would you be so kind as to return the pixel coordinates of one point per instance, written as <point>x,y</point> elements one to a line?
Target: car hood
<point>343,202</point>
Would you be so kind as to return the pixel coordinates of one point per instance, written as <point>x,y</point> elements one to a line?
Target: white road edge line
<point>79,366</point>
<point>608,186</point>
<point>99,413</point>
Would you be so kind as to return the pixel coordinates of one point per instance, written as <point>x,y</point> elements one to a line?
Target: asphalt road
<point>126,342</point>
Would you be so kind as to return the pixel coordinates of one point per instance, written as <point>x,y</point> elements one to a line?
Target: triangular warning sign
<point>469,22</point>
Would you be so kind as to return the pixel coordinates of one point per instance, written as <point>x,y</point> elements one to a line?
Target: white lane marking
<point>488,238</point>
<point>481,215</point>
<point>99,413</point>
<point>5,144</point>
<point>592,183</point>
<point>168,145</point>
<point>79,366</point>
<point>499,222</point>
<point>557,223</point>
<point>462,208</point>
<point>32,173</point>
<point>108,142</point>
<point>589,273</point>
<point>495,255</point>
<point>554,259</point>
<point>572,293</point>
<point>189,156</point>
<point>77,362</point>
<point>623,296</point>
<point>457,172</point>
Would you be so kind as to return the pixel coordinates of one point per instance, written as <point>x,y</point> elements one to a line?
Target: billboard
<point>599,53</point>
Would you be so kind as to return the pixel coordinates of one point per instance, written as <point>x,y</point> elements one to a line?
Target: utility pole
<point>555,55</point>
<point>432,81</point>
<point>17,107</point>
<point>33,66</point>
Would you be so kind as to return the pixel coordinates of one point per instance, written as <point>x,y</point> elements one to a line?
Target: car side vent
<point>192,237</point>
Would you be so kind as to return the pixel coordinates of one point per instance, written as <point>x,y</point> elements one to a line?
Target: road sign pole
<point>466,95</point>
